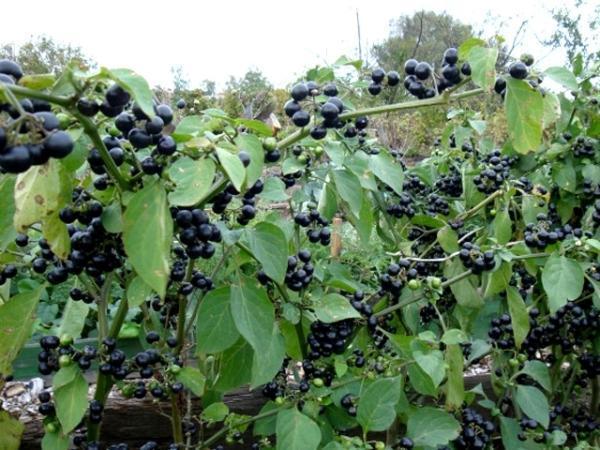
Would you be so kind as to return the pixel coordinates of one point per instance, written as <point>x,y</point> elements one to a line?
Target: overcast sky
<point>215,39</point>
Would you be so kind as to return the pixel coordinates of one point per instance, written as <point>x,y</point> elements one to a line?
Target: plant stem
<point>446,283</point>
<point>90,129</point>
<point>482,204</point>
<point>103,308</point>
<point>402,106</point>
<point>176,420</point>
<point>21,91</point>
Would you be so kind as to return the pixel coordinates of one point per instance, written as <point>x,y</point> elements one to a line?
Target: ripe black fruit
<point>451,56</point>
<point>6,79</point>
<point>301,118</point>
<point>124,122</point>
<point>377,76</point>
<point>393,78</point>
<point>291,107</point>
<point>59,144</point>
<point>180,103</point>
<point>49,120</point>
<point>166,145</point>
<point>451,73</point>
<point>299,92</point>
<point>139,138</point>
<point>38,154</point>
<point>15,159</point>
<point>500,85</point>
<point>88,107</point>
<point>3,139</point>
<point>110,111</point>
<point>374,88</point>
<point>518,70</point>
<point>118,155</point>
<point>165,113</point>
<point>11,68</point>
<point>330,90</point>
<point>155,125</point>
<point>361,122</point>
<point>423,71</point>
<point>318,132</point>
<point>117,96</point>
<point>466,69</point>
<point>409,66</point>
<point>244,158</point>
<point>329,111</point>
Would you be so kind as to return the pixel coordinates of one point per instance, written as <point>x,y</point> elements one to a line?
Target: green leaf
<point>252,145</point>
<point>465,293</point>
<point>11,431</point>
<point>421,381</point>
<point>137,86</point>
<point>349,188</point>
<point>333,308</point>
<point>296,431</point>
<point>465,48</point>
<point>377,404</point>
<point>215,329</point>
<point>216,412</point>
<point>71,402</point>
<point>518,315</point>
<point>539,372</point>
<point>502,227</point>
<point>192,379</point>
<point>565,176</point>
<point>192,178</point>
<point>563,76</point>
<point>266,426</point>
<point>431,427</point>
<point>510,429</point>
<point>431,361</point>
<point>55,441</point>
<point>112,218</point>
<point>269,246</point>
<point>16,320</point>
<point>274,190</point>
<point>455,386</point>
<point>291,165</point>
<point>257,126</point>
<point>254,317</point>
<point>533,402</point>
<point>448,239</point>
<point>7,206</point>
<point>40,192</point>
<point>483,66</point>
<point>236,366</point>
<point>562,279</point>
<point>327,202</point>
<point>147,219</point>
<point>38,82</point>
<point>187,127</point>
<point>65,376</point>
<point>387,170</point>
<point>524,108</point>
<point>454,336</point>
<point>552,109</point>
<point>73,318</point>
<point>235,170</point>
<point>498,280</point>
<point>137,292</point>
<point>56,233</point>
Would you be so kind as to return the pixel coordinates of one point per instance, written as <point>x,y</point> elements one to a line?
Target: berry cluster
<point>314,234</point>
<point>378,77</point>
<point>298,276</point>
<point>472,258</point>
<point>585,147</point>
<point>326,339</point>
<point>476,432</point>
<point>56,353</point>
<point>450,184</point>
<point>247,211</point>
<point>542,234</point>
<point>404,207</point>
<point>196,232</point>
<point>497,170</point>
<point>348,402</point>
<point>437,205</point>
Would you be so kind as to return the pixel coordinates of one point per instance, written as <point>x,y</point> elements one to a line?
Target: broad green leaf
<point>64,376</point>
<point>215,329</point>
<point>235,170</point>
<point>465,48</point>
<point>518,315</point>
<point>498,280</point>
<point>534,403</point>
<point>455,386</point>
<point>327,202</point>
<point>215,412</point>
<point>71,402</point>
<point>431,427</point>
<point>421,381</point>
<point>592,172</point>
<point>387,170</point>
<point>454,336</point>
<point>465,293</point>
<point>562,76</point>
<point>510,429</point>
<point>565,176</point>
<point>539,372</point>
<point>38,82</point>
<point>147,220</point>
<point>483,66</point>
<point>73,318</point>
<point>7,206</point>
<point>552,109</point>
<point>55,441</point>
<point>448,239</point>
<point>254,317</point>
<point>524,107</point>
<point>11,431</point>
<point>56,233</point>
<point>40,192</point>
<point>478,125</point>
<point>266,426</point>
<point>291,165</point>
<point>257,126</point>
<point>502,227</point>
<point>274,190</point>
<point>187,127</point>
<point>349,189</point>
<point>252,145</point>
<point>112,218</point>
<point>431,361</point>
<point>333,308</point>
<point>16,320</point>
<point>137,86</point>
<point>269,246</point>
<point>267,360</point>
<point>235,366</point>
<point>562,279</point>
<point>377,404</point>
<point>192,379</point>
<point>296,431</point>
<point>192,178</point>
<point>137,292</point>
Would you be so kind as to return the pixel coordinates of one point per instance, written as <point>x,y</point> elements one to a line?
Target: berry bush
<point>484,253</point>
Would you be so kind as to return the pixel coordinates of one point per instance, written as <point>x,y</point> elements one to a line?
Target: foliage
<point>481,252</point>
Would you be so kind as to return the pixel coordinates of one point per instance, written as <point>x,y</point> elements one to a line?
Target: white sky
<point>215,39</point>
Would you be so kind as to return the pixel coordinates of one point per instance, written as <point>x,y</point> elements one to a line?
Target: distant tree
<point>250,96</point>
<point>424,36</point>
<point>43,55</point>
<point>575,34</point>
<point>196,99</point>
